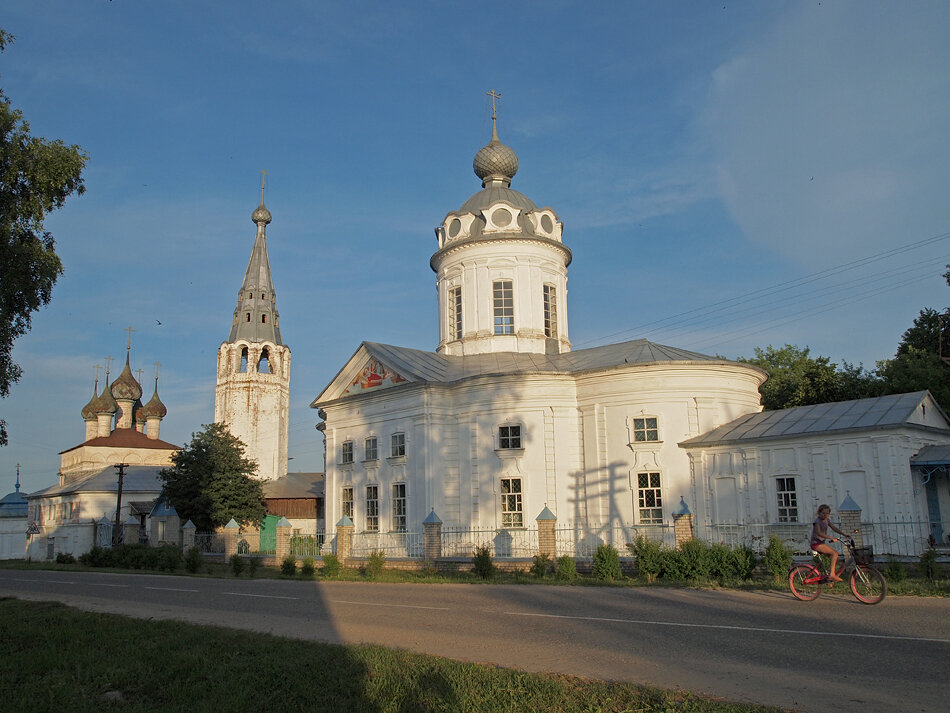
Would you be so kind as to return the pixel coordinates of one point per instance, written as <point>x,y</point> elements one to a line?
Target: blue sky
<point>729,175</point>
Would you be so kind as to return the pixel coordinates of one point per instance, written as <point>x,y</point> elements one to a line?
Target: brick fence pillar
<point>682,524</point>
<point>187,536</point>
<point>850,513</point>
<point>432,528</point>
<point>232,533</point>
<point>283,538</point>
<point>344,539</point>
<point>547,540</point>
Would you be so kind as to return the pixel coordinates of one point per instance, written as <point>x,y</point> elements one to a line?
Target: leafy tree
<point>925,334</point>
<point>795,377</point>
<point>915,370</point>
<point>36,176</point>
<point>212,482</point>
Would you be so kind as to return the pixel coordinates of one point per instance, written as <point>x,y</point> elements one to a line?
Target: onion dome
<point>89,410</point>
<point>496,161</point>
<point>261,214</point>
<point>138,412</point>
<point>154,408</point>
<point>106,402</point>
<point>126,387</point>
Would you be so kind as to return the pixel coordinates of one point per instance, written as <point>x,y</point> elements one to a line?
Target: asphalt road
<point>764,647</point>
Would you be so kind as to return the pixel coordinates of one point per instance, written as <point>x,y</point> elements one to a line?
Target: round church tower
<point>501,267</point>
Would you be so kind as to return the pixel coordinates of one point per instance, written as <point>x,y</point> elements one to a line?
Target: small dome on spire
<point>106,402</point>
<point>495,161</point>
<point>154,408</point>
<point>261,214</point>
<point>126,387</point>
<point>89,410</point>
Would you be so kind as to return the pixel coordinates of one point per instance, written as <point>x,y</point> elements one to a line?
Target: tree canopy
<point>212,482</point>
<point>36,176</point>
<point>795,377</point>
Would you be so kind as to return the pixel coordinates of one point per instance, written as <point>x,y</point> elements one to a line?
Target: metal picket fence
<point>395,545</point>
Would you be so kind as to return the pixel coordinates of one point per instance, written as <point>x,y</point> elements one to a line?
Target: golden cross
<point>494,95</point>
<point>140,372</point>
<point>97,368</point>
<point>157,364</point>
<point>108,361</point>
<point>263,183</point>
<point>128,344</point>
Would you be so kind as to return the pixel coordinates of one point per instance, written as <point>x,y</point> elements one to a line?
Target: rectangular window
<point>455,313</point>
<point>372,508</point>
<point>161,530</point>
<point>370,449</point>
<point>645,429</point>
<point>399,507</point>
<point>348,502</point>
<point>503,300</point>
<point>346,452</point>
<point>787,499</point>
<point>398,445</point>
<point>509,437</point>
<point>512,506</point>
<point>550,311</point>
<point>649,498</point>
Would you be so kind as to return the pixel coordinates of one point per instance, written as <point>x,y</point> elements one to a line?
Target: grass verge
<point>55,658</point>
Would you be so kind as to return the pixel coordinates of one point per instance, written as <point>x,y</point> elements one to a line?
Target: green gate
<point>269,533</point>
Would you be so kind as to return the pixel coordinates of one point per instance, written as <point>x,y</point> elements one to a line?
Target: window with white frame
<point>398,445</point>
<point>370,449</point>
<point>503,302</point>
<point>646,429</point>
<point>455,313</point>
<point>550,311</point>
<point>347,501</point>
<point>512,505</point>
<point>649,498</point>
<point>372,508</point>
<point>399,507</point>
<point>509,437</point>
<point>787,499</point>
<point>346,452</point>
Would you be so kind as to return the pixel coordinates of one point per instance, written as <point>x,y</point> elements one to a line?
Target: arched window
<point>247,317</point>
<point>263,366</point>
<point>244,359</point>
<point>263,296</point>
<point>263,319</point>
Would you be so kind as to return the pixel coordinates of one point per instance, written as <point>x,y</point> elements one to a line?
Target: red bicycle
<point>867,584</point>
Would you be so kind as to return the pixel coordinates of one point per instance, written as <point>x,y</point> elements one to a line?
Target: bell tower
<point>252,396</point>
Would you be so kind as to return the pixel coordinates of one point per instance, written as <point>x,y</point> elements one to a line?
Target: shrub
<point>168,558</point>
<point>375,563</point>
<point>778,558</point>
<point>237,564</point>
<point>648,554</point>
<point>307,567</point>
<point>193,560</point>
<point>696,559</point>
<point>744,561</point>
<point>672,565</point>
<point>928,564</point>
<point>65,558</point>
<point>331,566</point>
<point>723,563</point>
<point>482,564</point>
<point>607,563</point>
<point>252,564</point>
<point>566,568</point>
<point>541,565</point>
<point>894,571</point>
<point>288,567</point>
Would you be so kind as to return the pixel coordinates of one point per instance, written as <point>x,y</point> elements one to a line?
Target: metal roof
<point>932,455</point>
<point>862,414</point>
<point>295,485</point>
<point>137,478</point>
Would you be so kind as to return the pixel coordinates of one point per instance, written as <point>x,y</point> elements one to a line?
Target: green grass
<point>56,659</point>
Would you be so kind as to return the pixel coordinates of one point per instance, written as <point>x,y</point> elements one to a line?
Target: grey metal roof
<point>492,194</point>
<point>862,414</point>
<point>419,366</point>
<point>137,478</point>
<point>257,282</point>
<point>14,504</point>
<point>932,455</point>
<point>295,485</point>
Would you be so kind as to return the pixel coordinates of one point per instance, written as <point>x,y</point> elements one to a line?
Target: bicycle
<point>867,584</point>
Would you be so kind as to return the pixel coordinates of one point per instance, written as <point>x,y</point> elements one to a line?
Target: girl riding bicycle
<point>819,535</point>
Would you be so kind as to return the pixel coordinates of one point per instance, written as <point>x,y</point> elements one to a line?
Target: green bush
<point>193,560</point>
<point>928,564</point>
<point>65,558</point>
<point>723,563</point>
<point>288,567</point>
<point>237,564</point>
<point>696,560</point>
<point>607,563</point>
<point>482,564</point>
<point>96,557</point>
<point>673,567</point>
<point>541,566</point>
<point>331,566</point>
<point>307,567</point>
<point>375,564</point>
<point>168,558</point>
<point>566,568</point>
<point>252,564</point>
<point>894,571</point>
<point>648,554</point>
<point>778,558</point>
<point>744,562</point>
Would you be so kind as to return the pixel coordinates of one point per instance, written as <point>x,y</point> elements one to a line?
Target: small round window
<point>546,224</point>
<point>455,227</point>
<point>501,217</point>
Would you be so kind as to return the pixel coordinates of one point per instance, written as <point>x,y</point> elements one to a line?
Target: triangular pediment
<point>369,370</point>
<point>374,376</point>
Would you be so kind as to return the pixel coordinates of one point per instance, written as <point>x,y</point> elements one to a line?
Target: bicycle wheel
<point>867,584</point>
<point>804,580</point>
